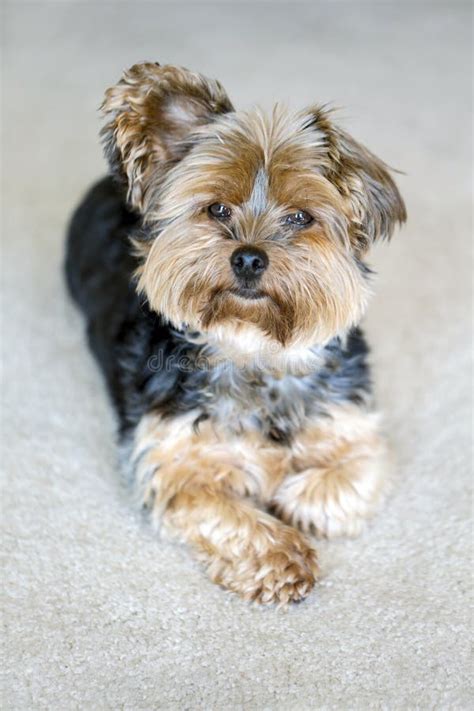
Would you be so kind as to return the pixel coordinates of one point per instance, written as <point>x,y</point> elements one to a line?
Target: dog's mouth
<point>249,293</point>
<point>249,304</point>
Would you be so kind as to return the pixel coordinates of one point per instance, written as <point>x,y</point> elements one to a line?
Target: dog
<point>221,270</point>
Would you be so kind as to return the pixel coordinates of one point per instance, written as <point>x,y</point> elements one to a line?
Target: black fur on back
<point>148,365</point>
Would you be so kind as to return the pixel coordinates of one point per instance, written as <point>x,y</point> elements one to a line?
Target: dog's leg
<point>195,485</point>
<point>337,476</point>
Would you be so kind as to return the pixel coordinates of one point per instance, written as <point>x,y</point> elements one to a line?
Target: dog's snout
<point>248,263</point>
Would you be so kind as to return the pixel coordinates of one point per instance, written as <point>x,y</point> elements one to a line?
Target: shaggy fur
<point>228,332</point>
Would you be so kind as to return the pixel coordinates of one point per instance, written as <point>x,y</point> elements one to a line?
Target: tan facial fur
<point>182,148</point>
<point>313,289</point>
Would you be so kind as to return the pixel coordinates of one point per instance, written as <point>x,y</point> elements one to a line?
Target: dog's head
<point>258,223</point>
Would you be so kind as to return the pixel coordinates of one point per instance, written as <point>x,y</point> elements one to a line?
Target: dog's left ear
<point>377,205</point>
<point>153,110</point>
<point>374,202</point>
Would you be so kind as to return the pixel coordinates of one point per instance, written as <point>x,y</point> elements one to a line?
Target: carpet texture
<point>98,614</point>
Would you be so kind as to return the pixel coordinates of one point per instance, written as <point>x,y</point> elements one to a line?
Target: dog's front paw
<point>277,566</point>
<point>333,500</point>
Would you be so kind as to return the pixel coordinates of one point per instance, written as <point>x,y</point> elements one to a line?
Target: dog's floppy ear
<point>152,111</point>
<point>375,204</point>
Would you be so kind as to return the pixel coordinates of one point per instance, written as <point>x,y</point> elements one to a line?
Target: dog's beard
<point>266,311</point>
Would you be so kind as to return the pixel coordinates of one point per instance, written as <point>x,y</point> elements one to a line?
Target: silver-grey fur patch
<point>257,201</point>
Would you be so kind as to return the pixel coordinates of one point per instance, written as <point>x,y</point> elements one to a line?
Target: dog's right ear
<point>153,110</point>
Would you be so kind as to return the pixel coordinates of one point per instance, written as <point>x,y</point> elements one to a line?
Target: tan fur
<point>152,110</point>
<point>204,487</point>
<point>198,486</point>
<point>339,478</point>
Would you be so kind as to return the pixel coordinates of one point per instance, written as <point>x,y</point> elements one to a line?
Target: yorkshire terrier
<point>221,271</point>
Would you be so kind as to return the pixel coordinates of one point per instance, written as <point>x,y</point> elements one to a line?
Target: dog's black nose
<point>249,263</point>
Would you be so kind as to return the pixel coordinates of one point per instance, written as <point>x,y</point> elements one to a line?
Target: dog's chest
<point>243,401</point>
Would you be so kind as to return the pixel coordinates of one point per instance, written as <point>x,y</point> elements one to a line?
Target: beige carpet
<point>99,614</point>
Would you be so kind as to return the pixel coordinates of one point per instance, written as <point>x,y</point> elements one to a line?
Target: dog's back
<point>99,267</point>
<point>99,262</point>
<point>123,333</point>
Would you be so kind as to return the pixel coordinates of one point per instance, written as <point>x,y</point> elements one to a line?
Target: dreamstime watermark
<point>186,364</point>
<point>263,361</point>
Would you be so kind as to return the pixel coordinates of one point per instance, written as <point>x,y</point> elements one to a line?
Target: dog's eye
<point>219,211</point>
<point>300,218</point>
